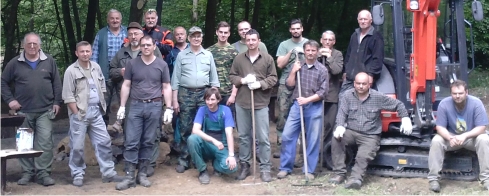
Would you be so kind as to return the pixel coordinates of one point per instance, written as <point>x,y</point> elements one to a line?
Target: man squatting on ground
<point>358,123</point>
<point>286,57</point>
<point>314,87</point>
<point>212,137</point>
<point>37,95</point>
<point>461,122</point>
<point>83,92</point>
<point>262,65</point>
<point>145,78</point>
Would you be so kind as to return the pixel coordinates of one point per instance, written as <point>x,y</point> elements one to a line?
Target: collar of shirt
<point>354,92</point>
<point>42,56</point>
<point>315,64</point>
<point>189,50</point>
<point>77,65</point>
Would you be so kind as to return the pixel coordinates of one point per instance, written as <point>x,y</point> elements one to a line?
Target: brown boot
<point>245,171</point>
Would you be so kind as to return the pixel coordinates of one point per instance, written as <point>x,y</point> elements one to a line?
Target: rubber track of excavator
<point>421,173</point>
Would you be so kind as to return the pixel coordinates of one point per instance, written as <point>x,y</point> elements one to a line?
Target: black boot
<point>245,171</point>
<point>130,180</point>
<point>142,177</point>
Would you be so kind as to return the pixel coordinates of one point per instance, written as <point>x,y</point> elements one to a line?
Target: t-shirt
<point>214,116</point>
<point>33,64</point>
<point>146,80</point>
<point>242,47</point>
<point>473,115</point>
<point>284,48</point>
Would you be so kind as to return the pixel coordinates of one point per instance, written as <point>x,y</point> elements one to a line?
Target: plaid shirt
<point>364,116</point>
<point>314,80</point>
<point>114,44</point>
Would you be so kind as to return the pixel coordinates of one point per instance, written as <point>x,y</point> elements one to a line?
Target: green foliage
<point>481,33</point>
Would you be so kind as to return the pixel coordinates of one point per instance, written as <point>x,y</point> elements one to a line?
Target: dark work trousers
<point>330,111</point>
<point>368,145</point>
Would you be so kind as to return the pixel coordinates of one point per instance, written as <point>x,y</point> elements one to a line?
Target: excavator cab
<point>425,51</point>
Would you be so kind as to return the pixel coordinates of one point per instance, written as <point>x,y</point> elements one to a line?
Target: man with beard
<point>365,52</point>
<point>105,46</point>
<point>146,78</point>
<point>286,57</point>
<point>314,87</point>
<point>333,60</point>
<point>461,122</point>
<point>194,71</point>
<point>224,55</point>
<point>240,45</point>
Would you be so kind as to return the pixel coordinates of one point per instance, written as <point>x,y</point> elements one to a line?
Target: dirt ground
<point>167,181</point>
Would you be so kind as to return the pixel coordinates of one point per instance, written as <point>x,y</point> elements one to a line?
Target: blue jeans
<point>142,121</point>
<point>313,125</point>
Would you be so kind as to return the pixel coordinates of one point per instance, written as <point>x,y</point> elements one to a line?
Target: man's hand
<point>254,85</point>
<point>302,100</point>
<point>298,49</point>
<point>218,144</point>
<point>460,139</point>
<point>231,162</point>
<point>121,113</point>
<point>406,126</point>
<point>176,107</point>
<point>453,141</point>
<point>231,100</point>
<point>123,70</point>
<point>338,132</point>
<point>325,52</point>
<point>297,66</point>
<point>167,116</point>
<point>14,105</point>
<point>56,109</point>
<point>250,78</point>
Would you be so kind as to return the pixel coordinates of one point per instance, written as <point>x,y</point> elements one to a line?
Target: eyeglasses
<point>196,37</point>
<point>146,45</point>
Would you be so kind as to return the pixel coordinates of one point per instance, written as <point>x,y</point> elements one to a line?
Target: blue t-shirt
<point>33,64</point>
<point>214,116</point>
<point>473,115</point>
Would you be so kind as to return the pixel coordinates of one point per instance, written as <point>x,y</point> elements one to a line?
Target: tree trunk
<point>247,10</point>
<point>65,8</point>
<point>31,20</point>
<point>210,22</point>
<point>311,19</point>
<point>195,4</point>
<point>137,10</point>
<point>101,21</point>
<point>9,20</point>
<point>62,32</point>
<point>90,30</point>
<point>298,9</point>
<point>256,14</point>
<point>77,20</point>
<point>232,20</point>
<point>159,9</point>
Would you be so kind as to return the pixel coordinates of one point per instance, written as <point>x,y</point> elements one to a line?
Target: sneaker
<point>337,179</point>
<point>310,176</point>
<point>78,182</point>
<point>353,184</point>
<point>180,168</point>
<point>435,186</point>
<point>26,178</point>
<point>204,177</point>
<point>282,174</point>
<point>46,181</point>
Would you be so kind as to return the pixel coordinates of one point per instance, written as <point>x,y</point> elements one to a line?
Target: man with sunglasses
<point>144,81</point>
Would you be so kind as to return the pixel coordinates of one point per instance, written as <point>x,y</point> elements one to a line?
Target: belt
<point>195,89</point>
<point>92,104</point>
<point>157,99</point>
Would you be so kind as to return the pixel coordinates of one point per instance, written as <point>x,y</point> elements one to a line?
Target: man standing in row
<point>314,87</point>
<point>106,44</point>
<point>145,78</point>
<point>365,52</point>
<point>286,57</point>
<point>224,55</point>
<point>83,92</point>
<point>333,60</point>
<point>241,46</point>
<point>162,36</point>
<point>180,45</point>
<point>194,71</point>
<point>256,69</point>
<point>38,96</point>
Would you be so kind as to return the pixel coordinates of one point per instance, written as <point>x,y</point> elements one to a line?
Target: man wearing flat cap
<point>194,71</point>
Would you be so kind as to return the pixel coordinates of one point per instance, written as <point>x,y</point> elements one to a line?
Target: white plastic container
<point>24,139</point>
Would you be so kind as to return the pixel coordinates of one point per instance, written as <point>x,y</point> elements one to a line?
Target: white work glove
<point>167,116</point>
<point>121,113</point>
<point>250,78</point>
<point>254,85</point>
<point>339,131</point>
<point>298,49</point>
<point>406,126</point>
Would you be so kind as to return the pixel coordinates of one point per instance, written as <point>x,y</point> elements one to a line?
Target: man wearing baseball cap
<point>194,71</point>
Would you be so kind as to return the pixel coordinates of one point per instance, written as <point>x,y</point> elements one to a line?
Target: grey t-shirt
<point>146,80</point>
<point>284,48</point>
<point>473,115</point>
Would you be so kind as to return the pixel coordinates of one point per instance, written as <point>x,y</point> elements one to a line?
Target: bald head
<point>362,84</point>
<point>361,77</point>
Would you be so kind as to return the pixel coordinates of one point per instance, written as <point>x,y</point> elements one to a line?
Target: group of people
<point>212,91</point>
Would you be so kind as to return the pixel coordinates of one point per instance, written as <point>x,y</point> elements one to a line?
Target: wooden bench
<point>12,154</point>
